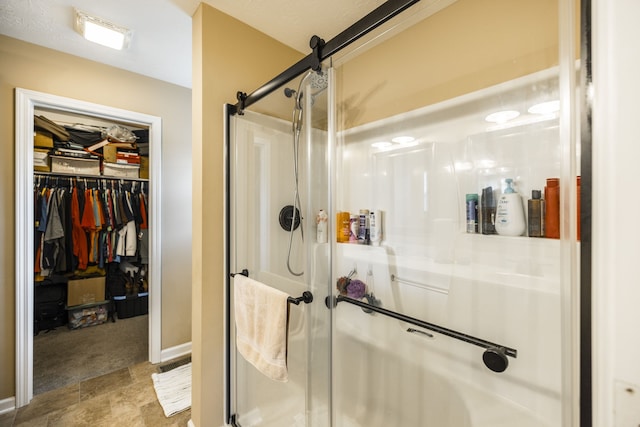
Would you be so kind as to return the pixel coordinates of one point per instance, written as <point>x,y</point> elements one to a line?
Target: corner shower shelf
<point>494,356</point>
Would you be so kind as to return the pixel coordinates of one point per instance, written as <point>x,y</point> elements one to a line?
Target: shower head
<point>318,82</point>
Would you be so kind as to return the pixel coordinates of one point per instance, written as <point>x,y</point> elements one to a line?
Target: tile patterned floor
<point>122,398</point>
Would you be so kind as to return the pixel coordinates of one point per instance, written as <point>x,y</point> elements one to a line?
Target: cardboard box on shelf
<point>110,153</point>
<point>85,291</point>
<point>42,138</point>
<point>144,167</point>
<point>127,158</point>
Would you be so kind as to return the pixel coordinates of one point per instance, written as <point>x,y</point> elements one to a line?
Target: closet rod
<point>96,177</point>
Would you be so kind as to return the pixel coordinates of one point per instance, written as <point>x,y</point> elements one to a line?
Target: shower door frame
<point>581,381</point>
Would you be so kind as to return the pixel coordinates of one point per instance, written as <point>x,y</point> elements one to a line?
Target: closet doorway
<point>28,103</point>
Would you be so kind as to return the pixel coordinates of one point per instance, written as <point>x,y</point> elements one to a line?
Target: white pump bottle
<point>510,213</point>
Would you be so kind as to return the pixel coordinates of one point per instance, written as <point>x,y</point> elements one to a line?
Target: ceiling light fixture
<point>502,116</point>
<point>381,144</point>
<point>403,139</point>
<point>101,31</point>
<point>548,107</point>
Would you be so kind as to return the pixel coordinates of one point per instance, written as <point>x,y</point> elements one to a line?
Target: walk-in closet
<point>91,248</point>
<point>88,256</point>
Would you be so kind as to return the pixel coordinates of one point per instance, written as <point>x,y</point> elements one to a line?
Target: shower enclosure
<point>422,313</point>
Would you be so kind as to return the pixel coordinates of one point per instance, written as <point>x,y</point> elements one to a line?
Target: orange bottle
<point>343,227</point>
<point>552,205</point>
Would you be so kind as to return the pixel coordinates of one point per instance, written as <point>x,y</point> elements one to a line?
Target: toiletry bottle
<point>488,211</point>
<point>536,214</point>
<point>342,227</point>
<point>363,227</point>
<point>354,223</point>
<point>472,213</point>
<point>375,227</point>
<point>510,213</point>
<point>321,221</point>
<point>552,206</point>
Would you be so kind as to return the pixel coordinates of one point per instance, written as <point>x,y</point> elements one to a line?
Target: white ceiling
<point>161,41</point>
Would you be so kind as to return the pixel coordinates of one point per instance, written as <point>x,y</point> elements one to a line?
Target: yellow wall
<point>228,56</point>
<point>470,45</point>
<point>32,67</point>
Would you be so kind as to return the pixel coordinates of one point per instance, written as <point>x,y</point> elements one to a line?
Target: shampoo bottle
<point>375,227</point>
<point>536,214</point>
<point>510,213</point>
<point>321,222</point>
<point>472,213</point>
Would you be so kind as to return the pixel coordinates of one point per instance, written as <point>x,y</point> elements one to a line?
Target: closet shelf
<point>87,176</point>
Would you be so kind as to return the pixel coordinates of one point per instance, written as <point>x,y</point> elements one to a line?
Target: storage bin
<point>131,305</point>
<point>85,315</point>
<point>120,170</point>
<point>142,304</point>
<point>41,160</point>
<point>125,306</point>
<point>75,166</point>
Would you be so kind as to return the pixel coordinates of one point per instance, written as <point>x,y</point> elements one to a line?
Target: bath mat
<point>173,389</point>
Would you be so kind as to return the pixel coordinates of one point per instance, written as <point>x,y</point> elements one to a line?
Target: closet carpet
<point>63,356</point>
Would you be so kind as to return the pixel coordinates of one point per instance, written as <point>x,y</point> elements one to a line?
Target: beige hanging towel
<point>261,314</point>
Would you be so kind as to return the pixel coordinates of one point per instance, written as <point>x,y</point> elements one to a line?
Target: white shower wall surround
<point>501,289</point>
<point>414,377</point>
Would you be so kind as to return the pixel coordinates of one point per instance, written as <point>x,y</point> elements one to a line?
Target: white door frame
<point>26,102</point>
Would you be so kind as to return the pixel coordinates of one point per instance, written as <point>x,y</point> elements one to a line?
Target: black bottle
<point>488,211</point>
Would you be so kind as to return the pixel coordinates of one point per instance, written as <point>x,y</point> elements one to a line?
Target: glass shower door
<point>454,296</point>
<point>278,185</point>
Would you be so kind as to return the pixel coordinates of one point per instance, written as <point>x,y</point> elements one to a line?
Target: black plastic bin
<point>131,305</point>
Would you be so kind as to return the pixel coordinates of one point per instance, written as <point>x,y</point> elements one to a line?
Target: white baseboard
<point>7,405</point>
<point>175,352</point>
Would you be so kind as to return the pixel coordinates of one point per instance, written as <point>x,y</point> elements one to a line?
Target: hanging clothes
<point>79,237</point>
<point>77,228</point>
<point>52,235</point>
